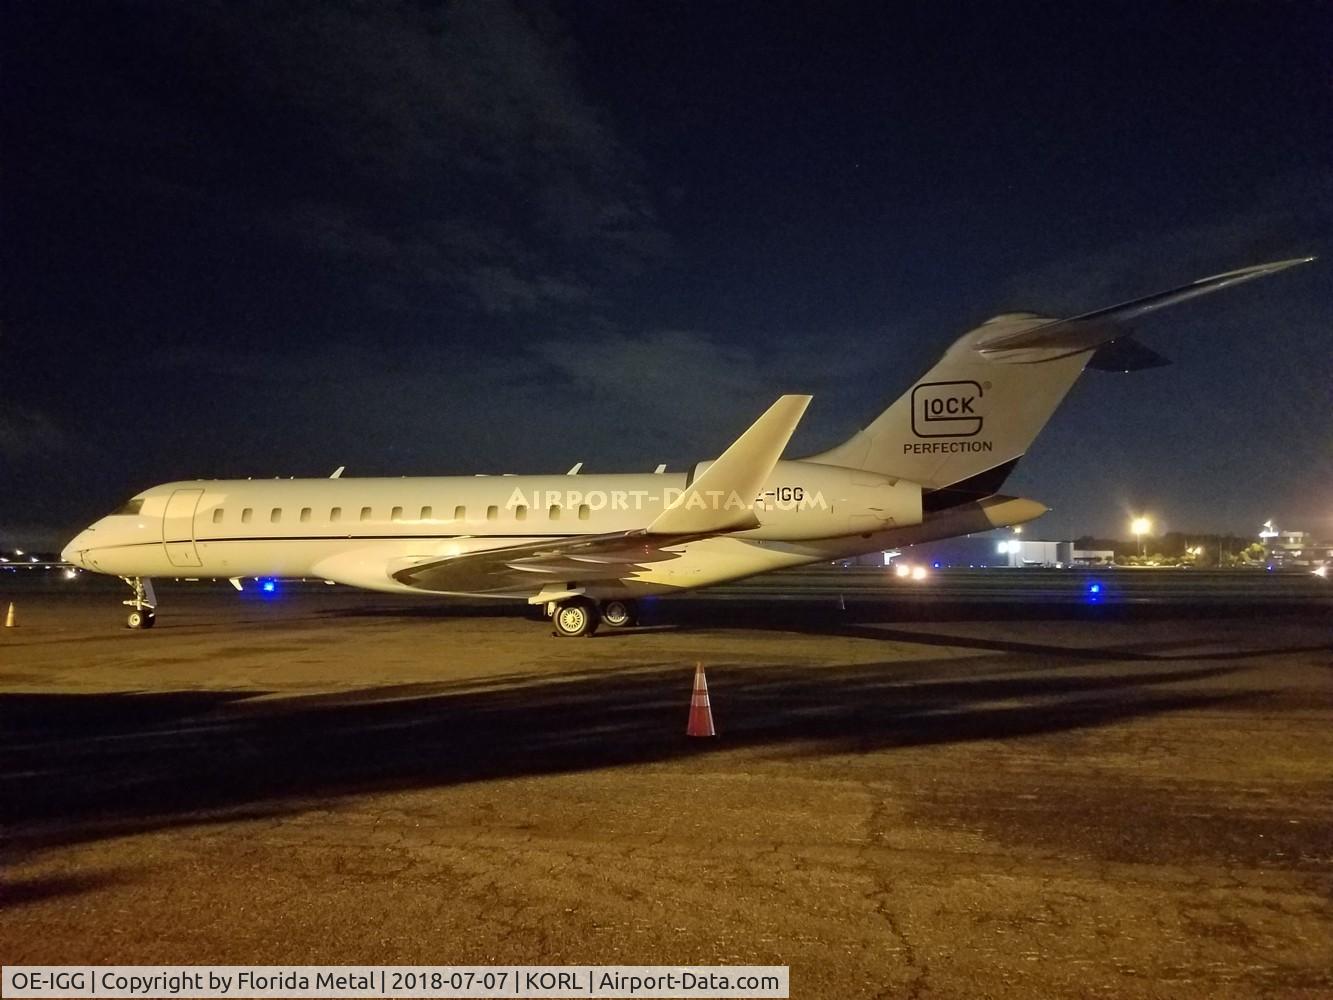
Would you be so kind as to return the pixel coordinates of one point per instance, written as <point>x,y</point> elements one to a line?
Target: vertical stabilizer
<point>969,414</point>
<point>968,420</point>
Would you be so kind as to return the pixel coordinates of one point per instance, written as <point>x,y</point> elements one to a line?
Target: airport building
<point>1285,547</point>
<point>994,550</point>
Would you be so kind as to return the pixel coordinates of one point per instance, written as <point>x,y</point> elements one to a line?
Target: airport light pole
<point>1140,526</point>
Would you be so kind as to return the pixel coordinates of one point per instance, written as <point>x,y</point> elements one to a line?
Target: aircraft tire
<point>619,614</point>
<point>141,619</point>
<point>576,617</point>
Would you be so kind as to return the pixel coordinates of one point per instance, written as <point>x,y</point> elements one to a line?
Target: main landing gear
<point>619,614</point>
<point>574,617</point>
<point>143,605</point>
<point>579,616</point>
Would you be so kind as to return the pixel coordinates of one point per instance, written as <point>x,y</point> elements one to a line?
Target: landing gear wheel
<point>576,617</point>
<point>142,604</point>
<point>619,614</point>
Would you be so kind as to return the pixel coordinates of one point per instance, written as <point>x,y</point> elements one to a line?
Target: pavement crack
<point>881,897</point>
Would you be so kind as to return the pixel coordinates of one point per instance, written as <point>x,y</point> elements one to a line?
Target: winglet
<point>722,498</point>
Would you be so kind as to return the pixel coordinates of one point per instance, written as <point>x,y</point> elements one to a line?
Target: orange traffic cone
<point>9,617</point>
<point>701,713</point>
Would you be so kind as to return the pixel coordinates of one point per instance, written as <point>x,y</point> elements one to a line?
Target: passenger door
<point>178,528</point>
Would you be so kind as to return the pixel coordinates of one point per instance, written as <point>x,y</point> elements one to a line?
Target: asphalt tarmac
<point>915,793</point>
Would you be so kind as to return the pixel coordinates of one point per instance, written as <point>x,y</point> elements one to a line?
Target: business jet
<point>584,548</point>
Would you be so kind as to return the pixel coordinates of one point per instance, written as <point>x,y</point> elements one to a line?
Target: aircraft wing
<point>529,567</point>
<point>704,509</point>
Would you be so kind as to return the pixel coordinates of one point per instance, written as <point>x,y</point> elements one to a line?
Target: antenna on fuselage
<point>575,470</point>
<point>338,472</point>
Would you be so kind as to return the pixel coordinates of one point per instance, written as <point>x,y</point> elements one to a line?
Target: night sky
<point>271,239</point>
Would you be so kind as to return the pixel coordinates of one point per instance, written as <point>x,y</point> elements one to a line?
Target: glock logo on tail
<point>946,409</point>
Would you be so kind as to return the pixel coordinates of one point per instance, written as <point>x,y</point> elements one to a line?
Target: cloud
<point>444,157</point>
<point>519,195</point>
<point>1289,217</point>
<point>692,392</point>
<point>613,399</point>
<point>26,433</point>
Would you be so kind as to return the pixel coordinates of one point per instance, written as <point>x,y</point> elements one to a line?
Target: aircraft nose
<point>73,552</point>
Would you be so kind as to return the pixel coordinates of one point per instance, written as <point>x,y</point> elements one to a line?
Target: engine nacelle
<point>806,500</point>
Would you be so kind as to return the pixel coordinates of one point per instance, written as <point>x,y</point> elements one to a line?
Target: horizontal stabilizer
<point>1088,330</point>
<point>1125,354</point>
<point>721,499</point>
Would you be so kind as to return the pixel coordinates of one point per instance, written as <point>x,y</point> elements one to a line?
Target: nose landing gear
<point>143,605</point>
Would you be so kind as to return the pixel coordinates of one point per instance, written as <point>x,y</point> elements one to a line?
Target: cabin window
<point>365,513</point>
<point>246,514</point>
<point>584,511</point>
<point>460,513</point>
<point>275,515</point>
<point>305,515</point>
<point>427,513</point>
<point>335,515</point>
<point>553,512</point>
<point>521,512</point>
<point>396,514</point>
<point>217,515</point>
<point>492,512</point>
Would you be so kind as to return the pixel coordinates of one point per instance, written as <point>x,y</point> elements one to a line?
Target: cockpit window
<point>131,507</point>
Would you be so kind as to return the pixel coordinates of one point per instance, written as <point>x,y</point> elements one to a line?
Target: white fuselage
<point>352,531</point>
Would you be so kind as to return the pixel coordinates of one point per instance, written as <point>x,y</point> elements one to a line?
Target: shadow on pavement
<point>1145,652</point>
<point>82,767</point>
